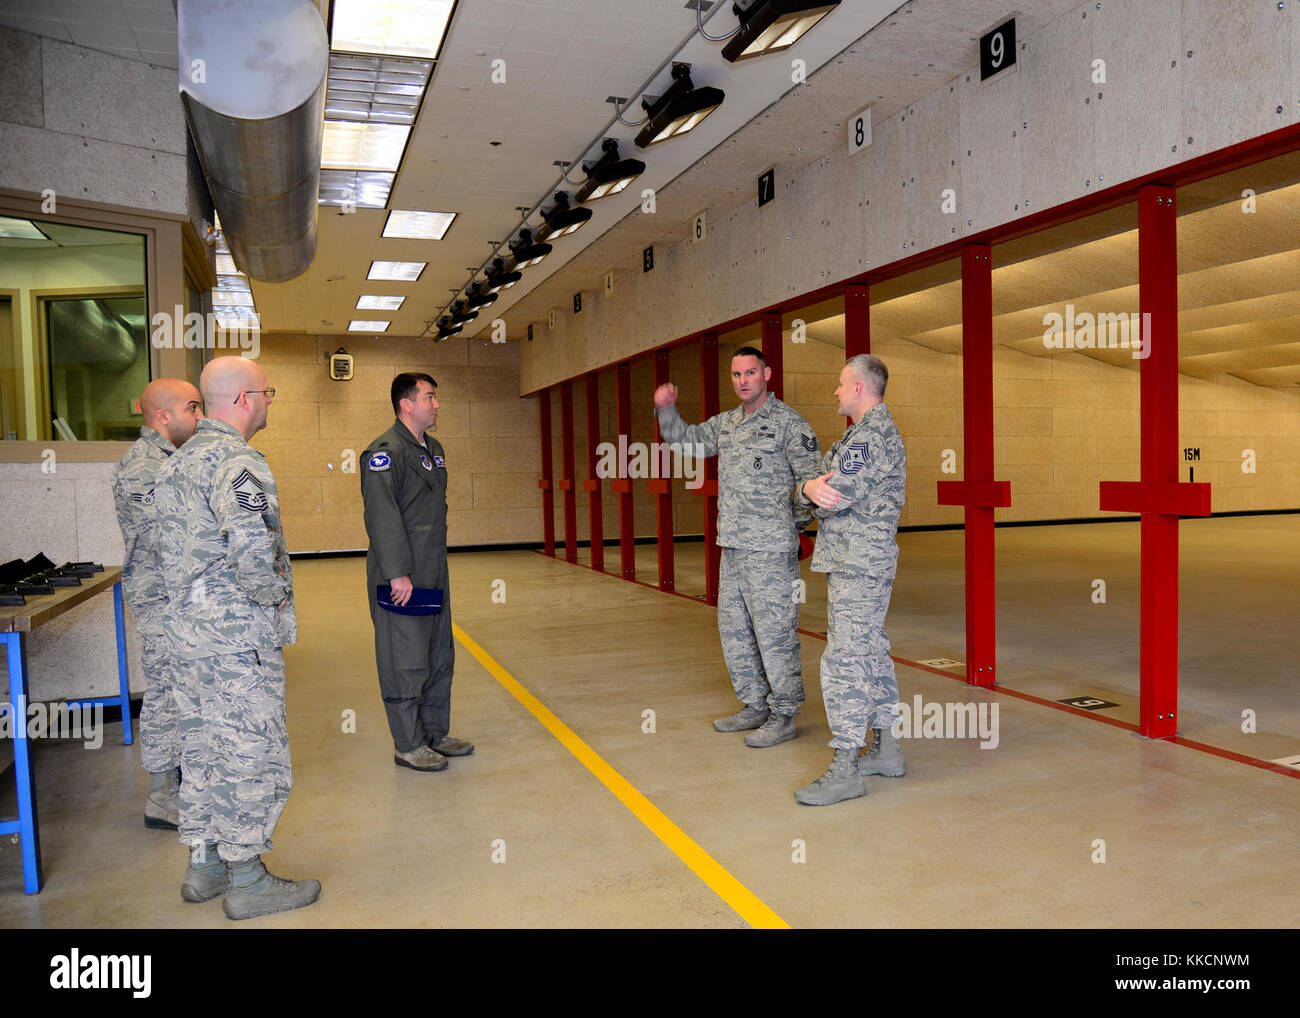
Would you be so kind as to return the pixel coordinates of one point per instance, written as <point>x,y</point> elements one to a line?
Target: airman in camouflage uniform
<point>763,447</point>
<point>172,409</point>
<point>857,498</point>
<point>230,589</point>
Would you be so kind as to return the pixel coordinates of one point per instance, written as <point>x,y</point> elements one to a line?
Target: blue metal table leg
<point>24,779</point>
<point>124,683</point>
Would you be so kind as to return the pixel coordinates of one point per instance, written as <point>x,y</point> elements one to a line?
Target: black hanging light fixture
<point>562,219</point>
<point>527,251</point>
<point>499,279</point>
<point>476,297</point>
<point>769,26</point>
<point>460,314</point>
<point>446,329</point>
<point>609,174</point>
<point>678,110</point>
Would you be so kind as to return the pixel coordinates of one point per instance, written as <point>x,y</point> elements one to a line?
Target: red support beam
<point>547,481</point>
<point>709,407</point>
<point>774,354</point>
<point>566,482</point>
<point>597,519</point>
<point>857,320</point>
<point>623,485</point>
<point>1159,496</point>
<point>662,489</point>
<point>978,492</point>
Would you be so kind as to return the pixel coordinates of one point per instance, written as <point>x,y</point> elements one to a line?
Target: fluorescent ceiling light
<point>413,28</point>
<point>238,283</point>
<point>20,229</point>
<point>358,326</point>
<point>231,298</point>
<point>418,225</point>
<point>237,318</point>
<point>363,190</point>
<point>363,146</point>
<point>406,271</point>
<point>374,302</point>
<point>377,89</point>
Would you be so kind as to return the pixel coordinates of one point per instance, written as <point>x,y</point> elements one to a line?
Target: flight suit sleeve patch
<point>438,461</point>
<point>379,461</point>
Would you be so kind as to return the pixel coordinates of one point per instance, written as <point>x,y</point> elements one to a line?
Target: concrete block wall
<point>90,125</point>
<point>318,427</point>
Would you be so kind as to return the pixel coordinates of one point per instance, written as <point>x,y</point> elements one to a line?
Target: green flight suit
<point>404,487</point>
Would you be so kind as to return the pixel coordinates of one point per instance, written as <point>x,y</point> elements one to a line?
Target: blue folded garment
<point>424,600</point>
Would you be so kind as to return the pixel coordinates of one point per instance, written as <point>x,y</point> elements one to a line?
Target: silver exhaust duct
<point>252,81</point>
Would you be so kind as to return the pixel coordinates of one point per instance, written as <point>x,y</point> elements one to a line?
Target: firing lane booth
<point>15,623</point>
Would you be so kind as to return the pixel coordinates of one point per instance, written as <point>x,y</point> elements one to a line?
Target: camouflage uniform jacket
<point>760,456</point>
<point>229,582</point>
<point>133,498</point>
<point>870,472</point>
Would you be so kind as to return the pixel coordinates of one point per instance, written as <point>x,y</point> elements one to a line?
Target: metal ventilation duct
<point>252,81</point>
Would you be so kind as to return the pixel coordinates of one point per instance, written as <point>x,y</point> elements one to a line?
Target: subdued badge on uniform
<point>425,462</point>
<point>853,459</point>
<point>249,492</point>
<point>379,461</point>
<point>809,442</point>
<point>143,497</point>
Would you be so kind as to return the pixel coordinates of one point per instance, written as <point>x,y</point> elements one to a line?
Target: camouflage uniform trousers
<point>235,767</point>
<point>160,739</point>
<point>859,687</point>
<point>758,618</point>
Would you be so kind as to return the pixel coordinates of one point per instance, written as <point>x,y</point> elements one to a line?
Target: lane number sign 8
<point>860,130</point>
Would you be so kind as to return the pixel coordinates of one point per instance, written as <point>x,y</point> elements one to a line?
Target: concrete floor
<point>971,837</point>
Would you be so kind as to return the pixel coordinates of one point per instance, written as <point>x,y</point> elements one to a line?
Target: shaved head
<point>233,389</point>
<point>224,378</point>
<point>172,407</point>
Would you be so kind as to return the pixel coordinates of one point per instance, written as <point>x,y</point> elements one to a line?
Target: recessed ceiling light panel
<point>418,225</point>
<point>375,302</point>
<point>406,271</point>
<point>413,28</point>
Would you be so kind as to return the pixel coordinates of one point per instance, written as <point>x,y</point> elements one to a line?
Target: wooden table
<point>15,623</point>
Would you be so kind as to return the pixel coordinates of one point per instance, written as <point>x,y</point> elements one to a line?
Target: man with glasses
<point>172,409</point>
<point>230,589</point>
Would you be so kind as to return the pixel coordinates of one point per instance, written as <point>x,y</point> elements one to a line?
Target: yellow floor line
<point>739,897</point>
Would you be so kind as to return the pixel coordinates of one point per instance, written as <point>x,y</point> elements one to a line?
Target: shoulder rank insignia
<point>249,492</point>
<point>853,459</point>
<point>425,462</point>
<point>379,461</point>
<point>143,497</point>
<point>809,442</point>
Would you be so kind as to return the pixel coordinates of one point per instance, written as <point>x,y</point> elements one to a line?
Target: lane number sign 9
<point>998,50</point>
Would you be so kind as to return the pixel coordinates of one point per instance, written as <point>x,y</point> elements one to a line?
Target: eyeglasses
<point>269,393</point>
